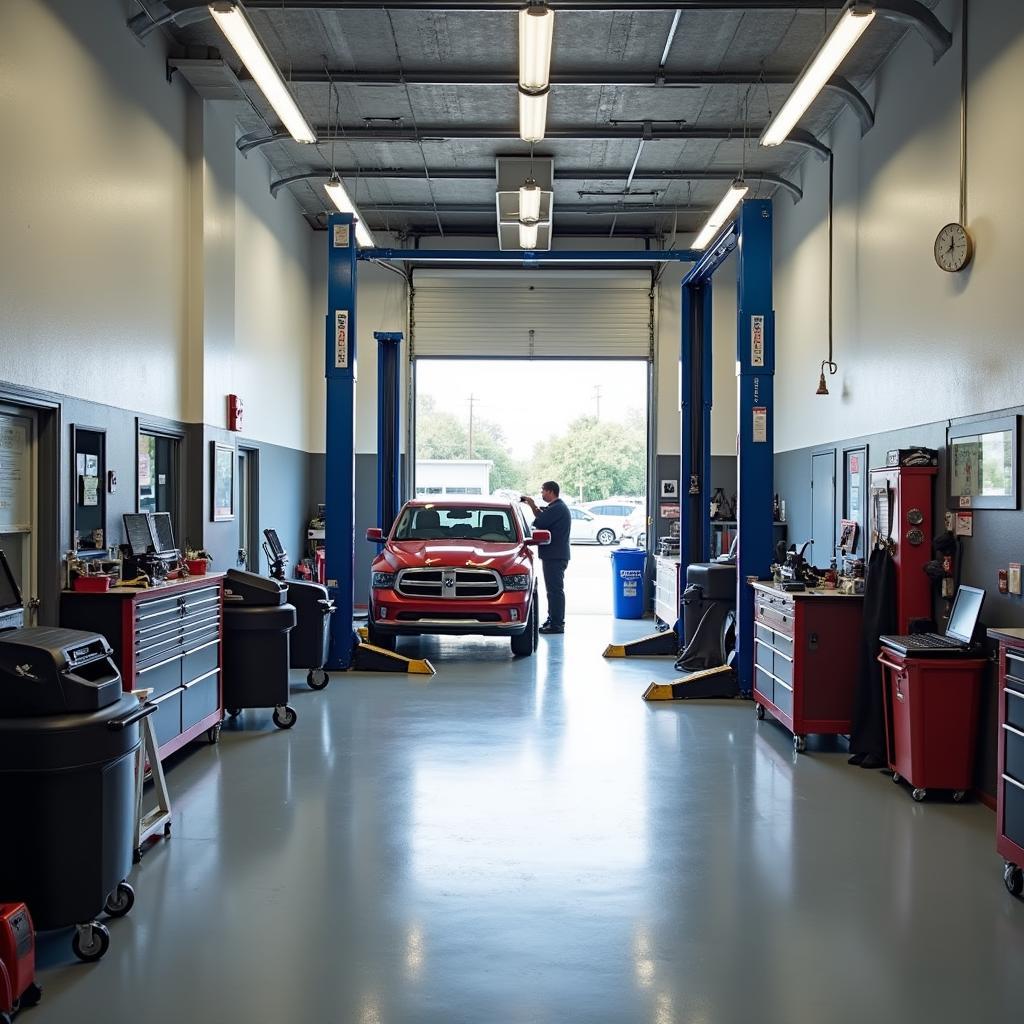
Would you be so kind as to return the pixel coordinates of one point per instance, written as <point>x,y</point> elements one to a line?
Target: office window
<point>158,475</point>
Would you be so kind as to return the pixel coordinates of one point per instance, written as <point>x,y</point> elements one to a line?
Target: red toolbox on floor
<point>17,959</point>
<point>931,720</point>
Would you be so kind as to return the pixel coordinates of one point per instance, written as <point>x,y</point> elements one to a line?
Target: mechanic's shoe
<point>547,628</point>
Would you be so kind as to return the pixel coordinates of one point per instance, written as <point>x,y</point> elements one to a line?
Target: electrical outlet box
<point>1013,578</point>
<point>1004,583</point>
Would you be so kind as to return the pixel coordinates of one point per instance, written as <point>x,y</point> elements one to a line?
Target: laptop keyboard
<point>918,641</point>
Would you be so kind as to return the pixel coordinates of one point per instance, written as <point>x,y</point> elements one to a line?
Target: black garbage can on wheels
<point>68,740</point>
<point>310,641</point>
<point>257,623</point>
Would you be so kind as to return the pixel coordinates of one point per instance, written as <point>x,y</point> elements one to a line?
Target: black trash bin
<point>68,740</point>
<point>257,621</point>
<point>709,597</point>
<point>310,641</point>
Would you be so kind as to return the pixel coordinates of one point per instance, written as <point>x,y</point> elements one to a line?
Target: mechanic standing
<point>554,557</point>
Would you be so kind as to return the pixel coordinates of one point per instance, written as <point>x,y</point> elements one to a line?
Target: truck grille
<point>441,584</point>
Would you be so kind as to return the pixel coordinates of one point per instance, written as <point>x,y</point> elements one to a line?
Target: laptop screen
<point>964,616</point>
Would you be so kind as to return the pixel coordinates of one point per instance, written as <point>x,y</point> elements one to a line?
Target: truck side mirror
<point>375,533</point>
<point>540,537</point>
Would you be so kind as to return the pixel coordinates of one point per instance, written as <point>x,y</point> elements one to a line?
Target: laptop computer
<point>955,641</point>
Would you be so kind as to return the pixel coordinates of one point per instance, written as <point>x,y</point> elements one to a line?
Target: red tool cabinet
<point>1010,780</point>
<point>931,720</point>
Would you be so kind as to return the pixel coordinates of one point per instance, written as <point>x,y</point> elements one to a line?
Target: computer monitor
<point>10,596</point>
<point>139,530</point>
<point>163,532</point>
<point>274,543</point>
<point>964,615</point>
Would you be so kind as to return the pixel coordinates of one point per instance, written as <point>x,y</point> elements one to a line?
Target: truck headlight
<point>520,581</point>
<point>383,581</point>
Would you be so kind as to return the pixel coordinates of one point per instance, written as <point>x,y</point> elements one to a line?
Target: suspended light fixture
<point>336,190</point>
<point>536,30</point>
<point>529,200</point>
<point>527,235</point>
<point>721,213</point>
<point>235,26</point>
<point>850,26</point>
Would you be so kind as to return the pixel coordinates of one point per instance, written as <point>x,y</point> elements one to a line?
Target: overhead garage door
<point>537,313</point>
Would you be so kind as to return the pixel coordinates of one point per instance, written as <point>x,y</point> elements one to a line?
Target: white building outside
<point>453,477</point>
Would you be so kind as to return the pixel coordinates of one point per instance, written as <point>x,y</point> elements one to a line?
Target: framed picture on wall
<point>982,463</point>
<point>222,482</point>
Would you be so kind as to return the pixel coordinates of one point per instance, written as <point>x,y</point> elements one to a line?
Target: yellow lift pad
<point>708,683</point>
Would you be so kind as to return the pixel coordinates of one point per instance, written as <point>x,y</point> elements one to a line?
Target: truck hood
<point>503,557</point>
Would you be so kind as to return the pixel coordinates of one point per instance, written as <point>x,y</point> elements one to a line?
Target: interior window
<point>158,475</point>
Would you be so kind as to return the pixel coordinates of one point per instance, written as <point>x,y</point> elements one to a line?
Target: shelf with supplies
<point>723,532</point>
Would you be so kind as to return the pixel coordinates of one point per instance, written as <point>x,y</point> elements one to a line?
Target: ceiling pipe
<point>583,174</point>
<point>440,133</point>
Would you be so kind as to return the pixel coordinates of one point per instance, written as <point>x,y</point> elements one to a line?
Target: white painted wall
<point>93,219</point>
<point>913,343</point>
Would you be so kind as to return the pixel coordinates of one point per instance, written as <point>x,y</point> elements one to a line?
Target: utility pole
<point>472,402</point>
<point>597,399</point>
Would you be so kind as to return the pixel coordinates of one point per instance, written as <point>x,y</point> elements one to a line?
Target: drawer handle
<point>783,684</point>
<point>1015,657</point>
<point>212,643</point>
<point>196,682</point>
<point>1010,692</point>
<point>1016,732</point>
<point>1013,782</point>
<point>770,675</point>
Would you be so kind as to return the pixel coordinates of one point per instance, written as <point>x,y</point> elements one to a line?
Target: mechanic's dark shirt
<point>557,518</point>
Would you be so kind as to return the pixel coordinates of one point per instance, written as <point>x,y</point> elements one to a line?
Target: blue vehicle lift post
<point>389,457</point>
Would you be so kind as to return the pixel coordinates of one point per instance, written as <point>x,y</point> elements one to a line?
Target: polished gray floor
<point>527,841</point>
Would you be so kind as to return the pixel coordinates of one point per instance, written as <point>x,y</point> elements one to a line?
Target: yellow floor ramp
<point>653,646</point>
<point>708,683</point>
<point>368,658</point>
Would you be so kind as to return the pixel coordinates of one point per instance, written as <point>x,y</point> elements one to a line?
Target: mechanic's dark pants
<point>554,583</point>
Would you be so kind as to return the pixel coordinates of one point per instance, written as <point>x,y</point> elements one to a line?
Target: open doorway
<point>504,426</point>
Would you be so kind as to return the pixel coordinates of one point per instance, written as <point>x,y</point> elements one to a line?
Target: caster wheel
<point>1013,879</point>
<point>167,830</point>
<point>31,995</point>
<point>91,942</point>
<point>799,744</point>
<point>120,901</point>
<point>919,794</point>
<point>213,734</point>
<point>759,712</point>
<point>317,678</point>
<point>285,717</point>
<point>137,855</point>
<point>233,712</point>
<point>958,795</point>
<point>897,778</point>
<point>5,1018</point>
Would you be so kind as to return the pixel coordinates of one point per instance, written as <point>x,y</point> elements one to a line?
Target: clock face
<point>953,248</point>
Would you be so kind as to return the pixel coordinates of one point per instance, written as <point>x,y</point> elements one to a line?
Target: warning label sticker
<point>760,424</point>
<point>341,339</point>
<point>757,341</point>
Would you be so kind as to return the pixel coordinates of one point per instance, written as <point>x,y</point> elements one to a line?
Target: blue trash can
<point>628,582</point>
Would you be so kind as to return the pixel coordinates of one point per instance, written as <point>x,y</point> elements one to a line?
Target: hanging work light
<point>527,235</point>
<point>536,28</point>
<point>336,190</point>
<point>529,200</point>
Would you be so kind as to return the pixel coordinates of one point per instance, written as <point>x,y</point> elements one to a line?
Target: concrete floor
<point>527,841</point>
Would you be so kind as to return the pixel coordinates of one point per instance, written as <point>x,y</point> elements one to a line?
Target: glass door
<point>18,501</point>
<point>248,518</point>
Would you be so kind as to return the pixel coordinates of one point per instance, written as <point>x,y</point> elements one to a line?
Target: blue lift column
<point>755,360</point>
<point>340,459</point>
<point>695,361</point>
<point>389,457</point>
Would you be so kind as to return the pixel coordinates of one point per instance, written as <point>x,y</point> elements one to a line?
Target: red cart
<point>931,720</point>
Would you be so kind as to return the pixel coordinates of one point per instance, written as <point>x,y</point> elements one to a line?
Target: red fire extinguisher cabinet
<point>931,720</point>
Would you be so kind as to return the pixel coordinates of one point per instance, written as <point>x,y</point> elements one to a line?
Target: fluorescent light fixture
<point>527,235</point>
<point>336,190</point>
<point>235,26</point>
<point>533,113</point>
<point>854,19</point>
<point>536,27</point>
<point>529,201</point>
<point>737,190</point>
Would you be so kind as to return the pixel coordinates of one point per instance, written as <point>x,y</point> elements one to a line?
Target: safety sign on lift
<point>757,341</point>
<point>341,339</point>
<point>760,432</point>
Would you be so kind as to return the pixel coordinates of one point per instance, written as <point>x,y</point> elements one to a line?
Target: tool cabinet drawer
<point>161,677</point>
<point>167,720</point>
<point>158,649</point>
<point>784,696</point>
<point>1014,678</point>
<point>200,661</point>
<point>199,699</point>
<point>147,612</point>
<point>195,600</point>
<point>764,655</point>
<point>1013,762</point>
<point>1013,810</point>
<point>780,620</point>
<point>1013,712</point>
<point>783,668</point>
<point>764,683</point>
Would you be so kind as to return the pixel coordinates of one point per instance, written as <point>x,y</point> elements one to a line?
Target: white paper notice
<point>341,236</point>
<point>757,341</point>
<point>341,339</point>
<point>760,424</point>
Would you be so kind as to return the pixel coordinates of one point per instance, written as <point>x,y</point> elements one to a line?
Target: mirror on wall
<point>88,492</point>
